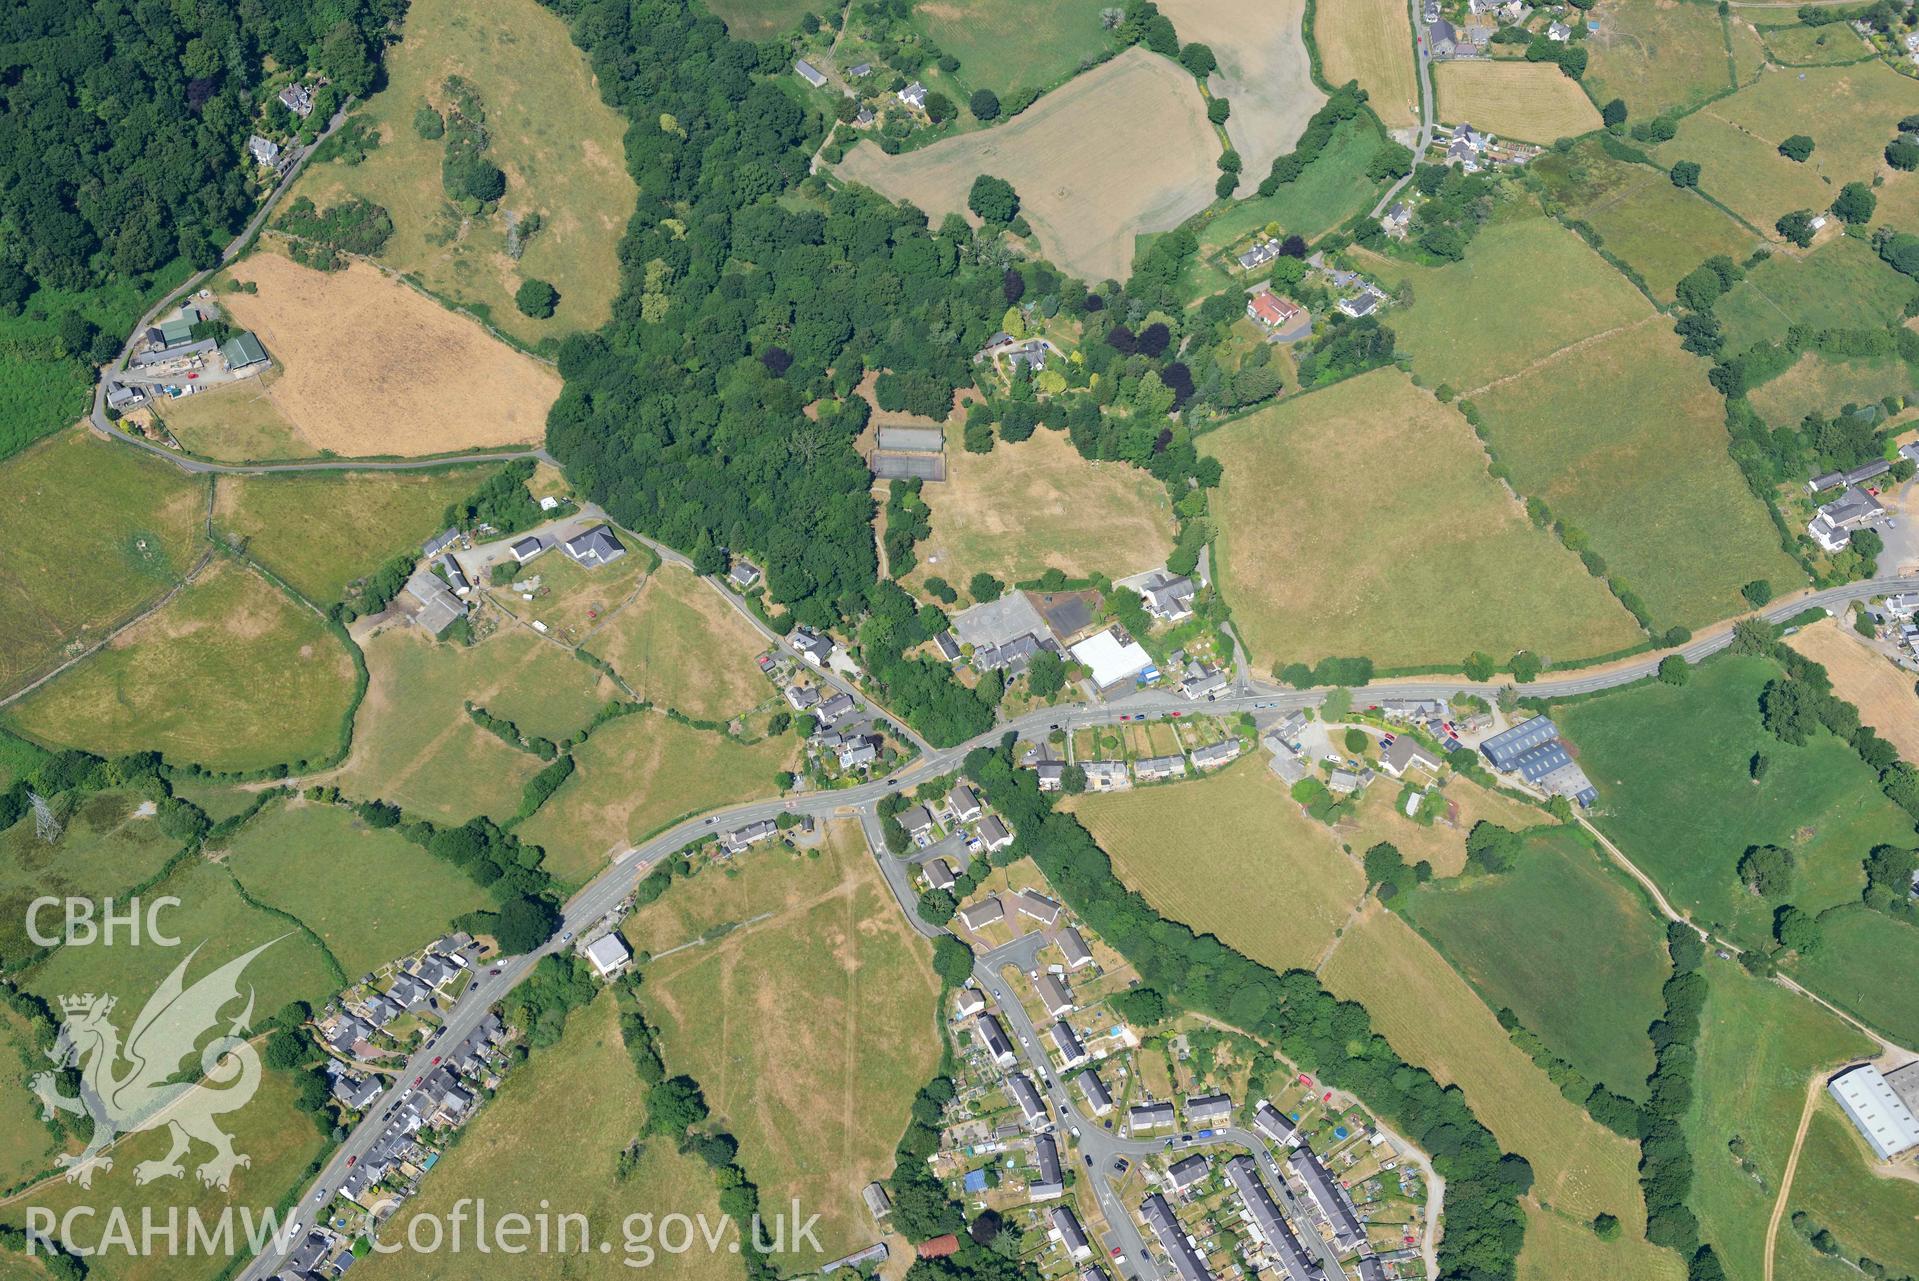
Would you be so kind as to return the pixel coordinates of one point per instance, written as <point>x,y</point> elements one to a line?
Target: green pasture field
<point>1760,1045</point>
<point>642,773</point>
<point>144,691</point>
<point>1820,384</point>
<point>760,19</point>
<point>296,857</point>
<point>280,1142</point>
<point>106,848</point>
<point>1841,283</point>
<point>66,583</point>
<point>810,1030</point>
<point>1409,591</point>
<point>1608,437</point>
<point>561,146</point>
<point>680,644</point>
<point>1526,289</point>
<point>240,422</point>
<point>1255,838</point>
<point>1004,46</point>
<point>1584,972</point>
<point>230,674</point>
<point>323,531</point>
<point>219,800</point>
<point>553,1137</point>
<point>1861,946</point>
<point>1331,189</point>
<point>1658,230</point>
<point>1850,113</point>
<point>415,745</point>
<point>1801,46</point>
<point>1671,766</point>
<point>1870,1216</point>
<point>1657,56</point>
<point>574,600</point>
<point>27,1143</point>
<point>214,917</point>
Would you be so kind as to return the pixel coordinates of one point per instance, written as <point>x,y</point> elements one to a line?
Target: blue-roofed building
<point>975,1181</point>
<point>1503,750</point>
<point>1535,763</point>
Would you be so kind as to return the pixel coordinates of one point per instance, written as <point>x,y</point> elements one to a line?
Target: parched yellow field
<point>810,1028</point>
<point>1037,504</point>
<point>1263,68</point>
<point>1377,818</point>
<point>1533,101</point>
<point>1558,1248</point>
<point>680,645</point>
<point>1435,1020</point>
<point>560,144</point>
<point>1866,679</point>
<point>1410,589</point>
<point>639,774</point>
<point>1121,150</point>
<point>1371,41</point>
<point>1253,837</point>
<point>230,674</point>
<point>1657,54</point>
<point>373,367</point>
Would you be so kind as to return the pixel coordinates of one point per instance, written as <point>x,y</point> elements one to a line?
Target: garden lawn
<point>810,1030</point>
<point>1861,947</point>
<point>561,146</point>
<point>1658,230</point>
<point>230,674</point>
<point>106,848</point>
<point>1671,766</point>
<point>66,582</point>
<point>1820,384</point>
<point>1405,590</point>
<point>1657,55</point>
<point>680,644</point>
<point>1841,283</point>
<point>415,745</point>
<point>641,774</point>
<point>1329,191</point>
<point>296,856</point>
<point>322,531</point>
<point>1584,972</point>
<point>1434,1019</point>
<point>1626,441</point>
<point>1005,45</point>
<point>1526,289</point>
<point>553,1137</point>
<point>1255,838</point>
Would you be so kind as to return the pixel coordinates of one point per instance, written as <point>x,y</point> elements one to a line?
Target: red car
<point>350,1160</point>
<point>418,1079</point>
<point>436,1060</point>
<point>494,970</point>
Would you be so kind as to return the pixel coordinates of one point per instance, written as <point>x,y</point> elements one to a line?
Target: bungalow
<point>1281,317</point>
<point>1032,903</point>
<point>1214,755</point>
<point>527,548</point>
<point>1209,1110</point>
<point>917,821</point>
<point>597,546</point>
<point>864,117</point>
<point>1187,1172</point>
<point>834,709</point>
<point>1364,303</point>
<point>1404,753</point>
<point>1854,476</point>
<point>986,912</point>
<point>938,874</point>
<point>1150,1116</point>
<point>1345,782</point>
<point>1053,996</point>
<point>971,1001</point>
<point>1052,775</point>
<point>1832,527</point>
<point>964,803</point>
<point>741,839</point>
<point>998,1044</point>
<point>1106,776</point>
<point>914,96</point>
<point>1098,1099</point>
<point>1072,1237</point>
<point>1073,944</point>
<point>809,73</point>
<point>1167,598</point>
<point>743,575</point>
<point>1261,253</point>
<point>1149,768</point>
<point>1071,1051</point>
<point>298,99</point>
<point>994,833</point>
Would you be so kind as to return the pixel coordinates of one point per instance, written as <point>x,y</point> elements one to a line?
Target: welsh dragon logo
<point>137,1087</point>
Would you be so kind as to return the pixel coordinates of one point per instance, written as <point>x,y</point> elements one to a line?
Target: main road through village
<point>606,892</point>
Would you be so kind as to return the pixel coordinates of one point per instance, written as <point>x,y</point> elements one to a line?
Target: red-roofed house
<point>939,1247</point>
<point>1281,317</point>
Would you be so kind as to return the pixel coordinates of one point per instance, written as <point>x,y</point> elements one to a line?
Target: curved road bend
<point>611,886</point>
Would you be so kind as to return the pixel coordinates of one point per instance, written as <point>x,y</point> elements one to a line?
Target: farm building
<point>1856,476</point>
<point>243,351</point>
<point>809,73</point>
<point>439,607</point>
<point>1875,1110</point>
<point>908,453</point>
<point>1503,750</point>
<point>527,548</point>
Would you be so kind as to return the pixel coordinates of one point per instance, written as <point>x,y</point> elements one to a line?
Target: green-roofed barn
<point>243,351</point>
